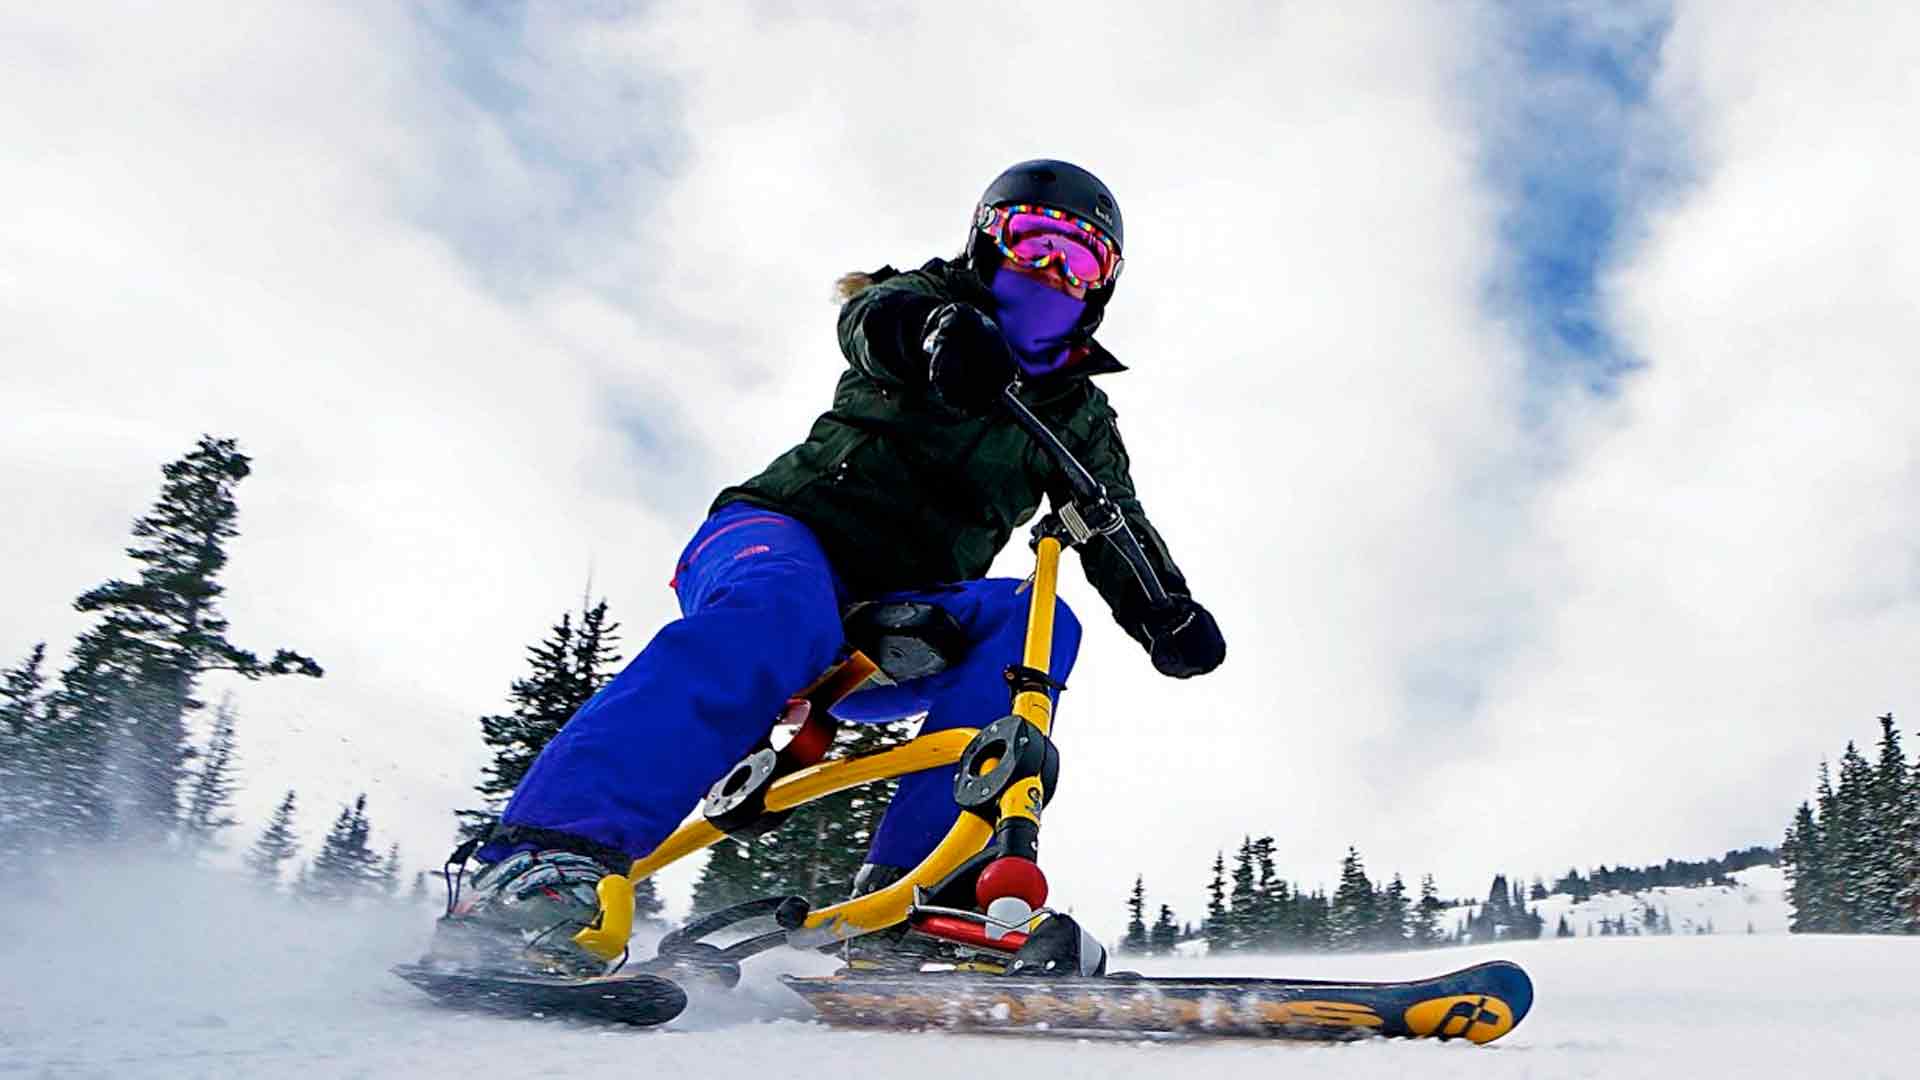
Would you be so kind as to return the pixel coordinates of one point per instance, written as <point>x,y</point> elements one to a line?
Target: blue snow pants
<point>761,619</point>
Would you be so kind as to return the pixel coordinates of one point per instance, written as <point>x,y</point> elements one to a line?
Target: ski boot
<point>1059,947</point>
<point>520,915</point>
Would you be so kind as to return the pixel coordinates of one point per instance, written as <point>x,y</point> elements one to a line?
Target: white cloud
<point>1734,549</point>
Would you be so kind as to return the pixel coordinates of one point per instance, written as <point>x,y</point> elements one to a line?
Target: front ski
<point>634,998</point>
<point>1479,1004</point>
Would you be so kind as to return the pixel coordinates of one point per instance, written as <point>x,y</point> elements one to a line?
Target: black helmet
<point>1061,185</point>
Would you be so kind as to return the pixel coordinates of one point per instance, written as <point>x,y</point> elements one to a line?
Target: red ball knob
<point>1011,876</point>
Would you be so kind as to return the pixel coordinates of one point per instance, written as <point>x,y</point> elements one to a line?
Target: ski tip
<point>1479,1004</point>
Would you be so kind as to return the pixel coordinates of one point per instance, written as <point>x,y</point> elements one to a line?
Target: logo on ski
<point>1475,1017</point>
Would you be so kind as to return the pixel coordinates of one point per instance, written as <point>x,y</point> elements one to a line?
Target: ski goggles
<point>1038,236</point>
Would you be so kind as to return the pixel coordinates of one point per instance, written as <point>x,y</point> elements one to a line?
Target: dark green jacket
<point>905,493</point>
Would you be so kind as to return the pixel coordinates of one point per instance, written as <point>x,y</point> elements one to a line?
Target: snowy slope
<point>215,982</point>
<point>1757,899</point>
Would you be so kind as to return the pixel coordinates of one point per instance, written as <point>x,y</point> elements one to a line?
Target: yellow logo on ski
<point>1478,1018</point>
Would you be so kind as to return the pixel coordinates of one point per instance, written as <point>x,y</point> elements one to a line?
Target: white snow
<point>137,972</point>
<point>1757,899</point>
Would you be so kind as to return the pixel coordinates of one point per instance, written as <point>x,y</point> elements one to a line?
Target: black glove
<point>1184,639</point>
<point>969,361</point>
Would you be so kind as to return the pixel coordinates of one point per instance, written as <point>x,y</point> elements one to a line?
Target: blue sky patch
<point>1575,149</point>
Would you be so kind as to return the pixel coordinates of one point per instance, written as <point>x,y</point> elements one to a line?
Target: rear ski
<point>1479,1004</point>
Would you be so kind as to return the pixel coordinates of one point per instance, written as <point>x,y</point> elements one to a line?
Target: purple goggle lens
<point>1036,236</point>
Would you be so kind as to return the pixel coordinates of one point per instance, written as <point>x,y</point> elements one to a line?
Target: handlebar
<point>1090,512</point>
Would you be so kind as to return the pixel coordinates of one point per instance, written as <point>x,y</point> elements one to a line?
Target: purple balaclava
<point>1036,318</point>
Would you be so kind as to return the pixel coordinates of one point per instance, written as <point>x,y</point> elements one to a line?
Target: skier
<point>905,489</point>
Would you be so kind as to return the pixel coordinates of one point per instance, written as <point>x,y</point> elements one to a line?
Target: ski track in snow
<point>215,981</point>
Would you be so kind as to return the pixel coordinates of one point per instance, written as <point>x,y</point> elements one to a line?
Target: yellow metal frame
<point>885,907</point>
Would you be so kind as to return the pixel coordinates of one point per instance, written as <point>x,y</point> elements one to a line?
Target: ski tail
<point>1478,1004</point>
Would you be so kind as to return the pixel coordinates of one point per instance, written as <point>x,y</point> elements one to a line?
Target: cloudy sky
<point>1527,388</point>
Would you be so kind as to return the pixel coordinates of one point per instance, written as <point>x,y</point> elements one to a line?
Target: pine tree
<point>22,727</point>
<point>210,797</point>
<point>1499,899</point>
<point>1218,930</point>
<point>1393,909</point>
<point>726,879</point>
<point>1908,899</point>
<point>386,873</point>
<point>1353,917</point>
<point>1883,842</point>
<point>418,895</point>
<point>1279,915</point>
<point>1425,921</point>
<point>1802,857</point>
<point>1314,921</point>
<point>565,670</point>
<point>1136,940</point>
<point>276,845</point>
<point>1243,915</point>
<point>346,867</point>
<point>76,752</point>
<point>136,671</point>
<point>1832,900</point>
<point>1164,934</point>
<point>1565,929</point>
<point>1852,839</point>
<point>1268,905</point>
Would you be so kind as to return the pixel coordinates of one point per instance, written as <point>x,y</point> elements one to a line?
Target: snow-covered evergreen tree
<point>726,879</point>
<point>346,867</point>
<point>276,844</point>
<point>564,670</point>
<point>1135,941</point>
<point>386,873</point>
<point>1883,842</point>
<point>1392,930</point>
<point>1425,929</point>
<point>1353,918</point>
<point>1218,929</point>
<point>1852,839</point>
<point>210,792</point>
<point>1802,857</point>
<point>138,669</point>
<point>1245,898</point>
<point>1907,901</point>
<point>22,728</point>
<point>1265,924</point>
<point>1164,933</point>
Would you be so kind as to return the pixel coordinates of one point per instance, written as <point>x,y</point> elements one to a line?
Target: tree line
<point>1852,854</point>
<point>1253,908</point>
